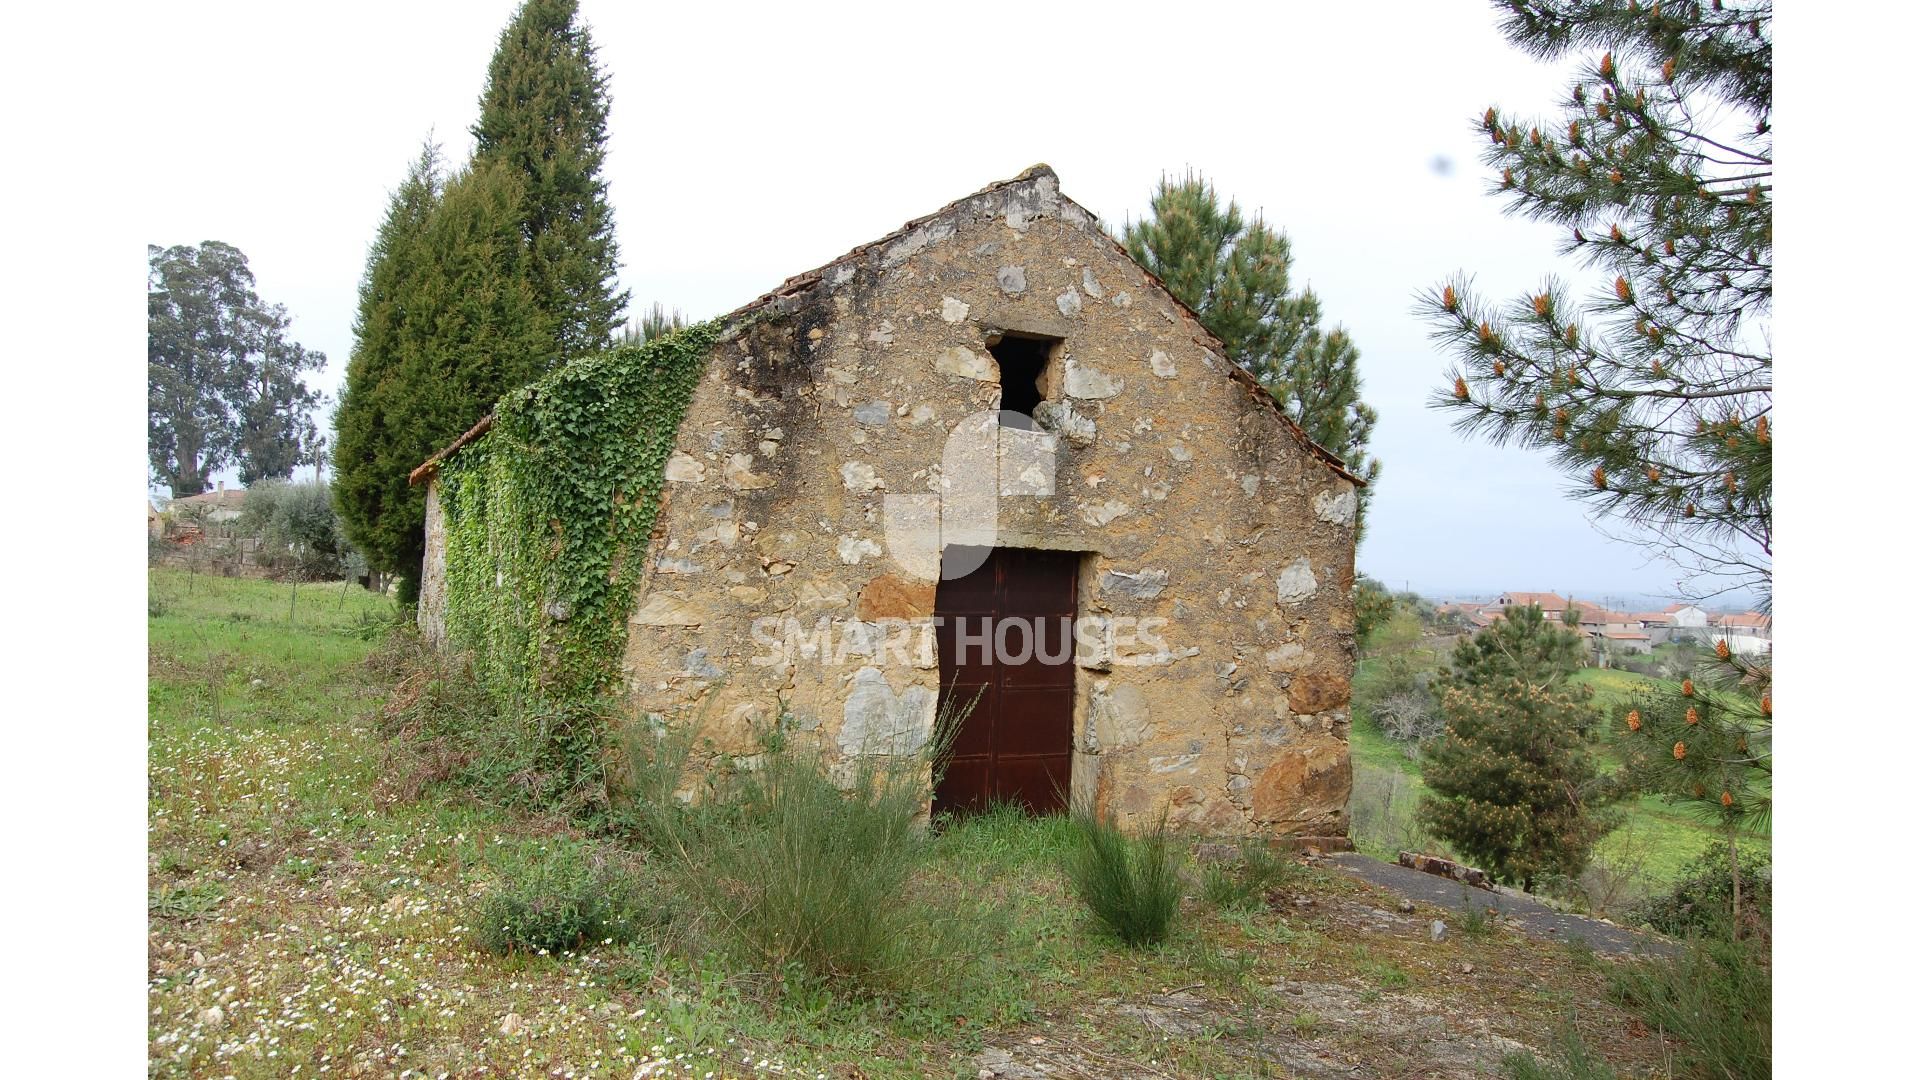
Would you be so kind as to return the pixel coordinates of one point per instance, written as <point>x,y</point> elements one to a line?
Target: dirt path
<point>1516,909</point>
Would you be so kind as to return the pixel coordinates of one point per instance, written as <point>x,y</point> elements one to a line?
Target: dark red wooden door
<point>1005,634</point>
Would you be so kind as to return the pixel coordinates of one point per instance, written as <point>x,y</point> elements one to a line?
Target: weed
<point>1476,919</point>
<point>300,869</point>
<point>1132,883</point>
<point>801,870</point>
<point>1716,996</point>
<point>1388,976</point>
<point>559,895</point>
<point>186,901</point>
<point>1572,1060</point>
<point>1306,1024</point>
<point>549,758</point>
<point>1245,884</point>
<point>1581,953</point>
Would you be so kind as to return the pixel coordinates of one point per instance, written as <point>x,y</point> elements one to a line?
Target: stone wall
<point>432,613</point>
<point>1188,495</point>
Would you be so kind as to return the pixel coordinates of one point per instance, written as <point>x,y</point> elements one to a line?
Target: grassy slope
<point>295,890</point>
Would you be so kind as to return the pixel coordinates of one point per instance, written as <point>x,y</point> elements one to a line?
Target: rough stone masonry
<point>1189,495</point>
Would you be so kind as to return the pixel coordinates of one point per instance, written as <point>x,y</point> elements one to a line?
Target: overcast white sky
<point>747,146</point>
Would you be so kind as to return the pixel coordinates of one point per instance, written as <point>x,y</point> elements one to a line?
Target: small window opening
<point>1023,371</point>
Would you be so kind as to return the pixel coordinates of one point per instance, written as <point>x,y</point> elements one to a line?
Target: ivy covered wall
<point>547,516</point>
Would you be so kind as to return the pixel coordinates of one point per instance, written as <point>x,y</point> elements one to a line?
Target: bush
<point>549,758</point>
<point>800,871</point>
<point>1132,883</point>
<point>563,894</point>
<point>1716,997</point>
<point>1245,884</point>
<point>1701,901</point>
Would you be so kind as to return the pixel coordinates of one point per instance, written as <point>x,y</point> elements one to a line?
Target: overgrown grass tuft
<point>559,895</point>
<point>799,869</point>
<point>1716,997</point>
<point>1245,884</point>
<point>1571,1060</point>
<point>1131,883</point>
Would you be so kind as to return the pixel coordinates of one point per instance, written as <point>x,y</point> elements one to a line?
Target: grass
<point>1131,883</point>
<point>328,906</point>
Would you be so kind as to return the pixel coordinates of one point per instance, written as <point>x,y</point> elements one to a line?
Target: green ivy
<point>548,516</point>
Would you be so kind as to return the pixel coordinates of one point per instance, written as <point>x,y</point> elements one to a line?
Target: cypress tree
<point>1234,273</point>
<point>369,486</point>
<point>448,323</point>
<point>544,115</point>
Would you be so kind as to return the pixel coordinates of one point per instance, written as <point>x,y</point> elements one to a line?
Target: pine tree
<point>1234,274</point>
<point>1707,745</point>
<point>1513,789</point>
<point>1655,397</point>
<point>544,115</point>
<point>447,325</point>
<point>1525,646</point>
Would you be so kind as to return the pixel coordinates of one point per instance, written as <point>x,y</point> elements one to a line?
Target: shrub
<point>1245,884</point>
<point>562,894</point>
<point>1132,883</point>
<point>801,869</point>
<point>1716,997</point>
<point>547,758</point>
<point>1701,901</point>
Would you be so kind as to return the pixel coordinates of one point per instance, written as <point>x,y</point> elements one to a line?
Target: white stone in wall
<point>1062,419</point>
<point>822,593</point>
<point>1336,508</point>
<point>1120,716</point>
<point>859,476</point>
<point>667,609</point>
<point>1068,302</point>
<point>1092,284</point>
<point>682,469</point>
<point>876,720</point>
<point>1091,383</point>
<point>954,311</point>
<point>853,548</point>
<point>961,361</point>
<point>1105,512</point>
<point>1285,659</point>
<point>1141,585</point>
<point>1012,279</point>
<point>1296,583</point>
<point>740,475</point>
<point>1162,364</point>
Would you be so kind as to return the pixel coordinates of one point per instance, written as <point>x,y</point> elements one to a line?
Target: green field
<point>311,911</point>
<point>1656,837</point>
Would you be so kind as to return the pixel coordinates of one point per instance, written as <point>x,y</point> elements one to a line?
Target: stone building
<point>995,414</point>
